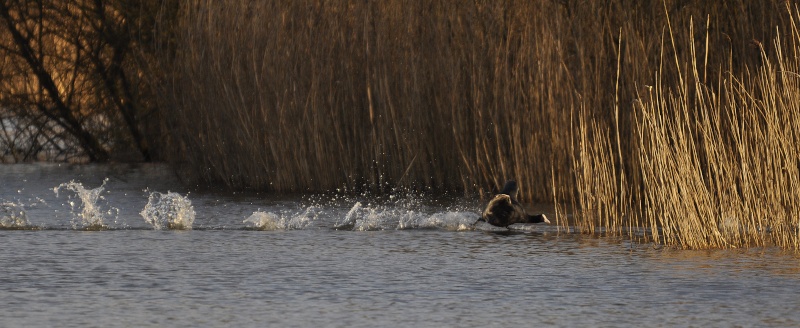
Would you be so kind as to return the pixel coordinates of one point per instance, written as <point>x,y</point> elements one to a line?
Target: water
<point>170,211</point>
<point>343,261</point>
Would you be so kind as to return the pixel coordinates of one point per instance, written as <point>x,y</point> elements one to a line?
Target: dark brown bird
<point>504,209</point>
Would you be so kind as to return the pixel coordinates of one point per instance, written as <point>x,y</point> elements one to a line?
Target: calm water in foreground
<point>345,261</point>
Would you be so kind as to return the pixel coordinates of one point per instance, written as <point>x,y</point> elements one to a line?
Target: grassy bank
<point>676,116</point>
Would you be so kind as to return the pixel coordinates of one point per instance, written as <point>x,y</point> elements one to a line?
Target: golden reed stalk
<point>644,122</point>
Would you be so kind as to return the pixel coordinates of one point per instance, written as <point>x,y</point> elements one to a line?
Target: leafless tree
<point>74,84</point>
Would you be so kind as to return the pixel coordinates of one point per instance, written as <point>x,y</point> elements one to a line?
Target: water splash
<point>454,221</point>
<point>263,221</point>
<point>270,221</point>
<point>13,217</point>
<point>377,217</point>
<point>366,218</point>
<point>170,211</point>
<point>359,218</point>
<point>88,213</point>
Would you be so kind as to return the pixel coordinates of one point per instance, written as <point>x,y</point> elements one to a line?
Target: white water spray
<point>170,211</point>
<point>13,216</point>
<point>86,214</point>
<point>270,221</point>
<point>366,218</point>
<point>454,221</point>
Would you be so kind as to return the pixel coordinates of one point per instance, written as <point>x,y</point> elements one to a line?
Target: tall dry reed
<point>658,116</point>
<point>713,160</point>
<point>308,95</point>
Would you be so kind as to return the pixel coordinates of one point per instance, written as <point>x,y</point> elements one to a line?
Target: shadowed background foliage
<point>74,85</point>
<point>315,95</point>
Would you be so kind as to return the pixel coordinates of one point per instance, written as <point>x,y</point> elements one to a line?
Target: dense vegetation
<point>675,116</point>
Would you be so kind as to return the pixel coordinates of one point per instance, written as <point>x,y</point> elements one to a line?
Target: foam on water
<point>365,218</point>
<point>168,211</point>
<point>13,216</point>
<point>362,218</point>
<point>87,212</point>
<point>455,221</point>
<point>260,220</point>
<point>377,217</point>
<point>348,222</point>
<point>263,221</point>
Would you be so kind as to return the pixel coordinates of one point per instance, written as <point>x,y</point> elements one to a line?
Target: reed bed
<point>309,95</point>
<point>730,155</point>
<point>713,165</point>
<point>669,120</point>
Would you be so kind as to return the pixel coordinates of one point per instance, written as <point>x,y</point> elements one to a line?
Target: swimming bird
<point>504,209</point>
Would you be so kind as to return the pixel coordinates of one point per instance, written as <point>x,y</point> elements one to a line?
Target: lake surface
<point>345,261</point>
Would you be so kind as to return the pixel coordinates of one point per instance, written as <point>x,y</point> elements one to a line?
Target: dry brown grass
<point>711,165</point>
<point>659,115</point>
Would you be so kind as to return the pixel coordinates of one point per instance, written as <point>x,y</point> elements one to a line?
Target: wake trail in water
<point>268,221</point>
<point>367,218</point>
<point>89,210</point>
